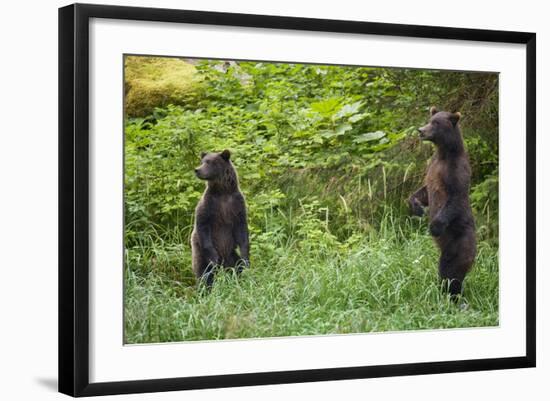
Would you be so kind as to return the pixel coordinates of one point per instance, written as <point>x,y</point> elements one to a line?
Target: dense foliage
<point>327,156</point>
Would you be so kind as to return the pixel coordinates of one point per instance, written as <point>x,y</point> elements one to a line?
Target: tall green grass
<point>303,281</point>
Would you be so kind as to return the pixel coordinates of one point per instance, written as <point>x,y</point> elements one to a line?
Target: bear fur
<point>446,194</point>
<point>220,219</point>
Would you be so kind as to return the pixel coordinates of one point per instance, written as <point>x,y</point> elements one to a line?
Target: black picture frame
<point>74,198</point>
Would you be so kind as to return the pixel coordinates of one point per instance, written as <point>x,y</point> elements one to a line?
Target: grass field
<point>385,280</point>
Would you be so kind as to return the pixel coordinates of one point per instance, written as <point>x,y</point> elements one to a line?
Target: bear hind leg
<point>451,274</point>
<point>234,261</point>
<point>457,258</point>
<point>207,276</point>
<point>204,271</point>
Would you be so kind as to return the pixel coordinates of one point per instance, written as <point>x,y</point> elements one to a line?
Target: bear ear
<point>226,154</point>
<point>433,110</point>
<point>455,117</point>
<point>203,154</point>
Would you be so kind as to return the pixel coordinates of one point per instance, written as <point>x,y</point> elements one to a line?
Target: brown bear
<point>446,194</point>
<point>220,219</point>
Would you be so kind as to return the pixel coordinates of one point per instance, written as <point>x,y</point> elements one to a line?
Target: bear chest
<point>226,209</point>
<point>435,184</point>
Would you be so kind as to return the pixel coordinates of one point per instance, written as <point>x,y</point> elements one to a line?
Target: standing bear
<point>445,193</point>
<point>220,219</point>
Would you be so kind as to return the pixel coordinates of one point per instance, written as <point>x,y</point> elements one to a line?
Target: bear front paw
<point>436,228</point>
<point>417,210</point>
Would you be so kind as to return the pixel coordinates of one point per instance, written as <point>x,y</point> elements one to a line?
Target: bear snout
<point>425,132</point>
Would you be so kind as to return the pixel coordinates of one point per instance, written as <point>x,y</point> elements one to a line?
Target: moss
<point>158,81</point>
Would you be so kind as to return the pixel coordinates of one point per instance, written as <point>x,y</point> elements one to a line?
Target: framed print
<point>251,199</point>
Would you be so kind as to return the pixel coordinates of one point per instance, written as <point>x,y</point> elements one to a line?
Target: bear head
<point>214,166</point>
<point>442,129</point>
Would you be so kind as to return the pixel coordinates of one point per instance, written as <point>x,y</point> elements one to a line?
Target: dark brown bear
<point>445,193</point>
<point>220,219</point>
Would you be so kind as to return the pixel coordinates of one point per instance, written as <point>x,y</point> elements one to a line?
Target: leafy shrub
<point>342,135</point>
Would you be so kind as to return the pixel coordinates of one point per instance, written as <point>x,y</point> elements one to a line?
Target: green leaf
<point>342,129</point>
<point>369,136</point>
<point>349,109</point>
<point>327,134</point>
<point>357,117</point>
<point>252,107</point>
<point>317,139</point>
<point>326,107</point>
